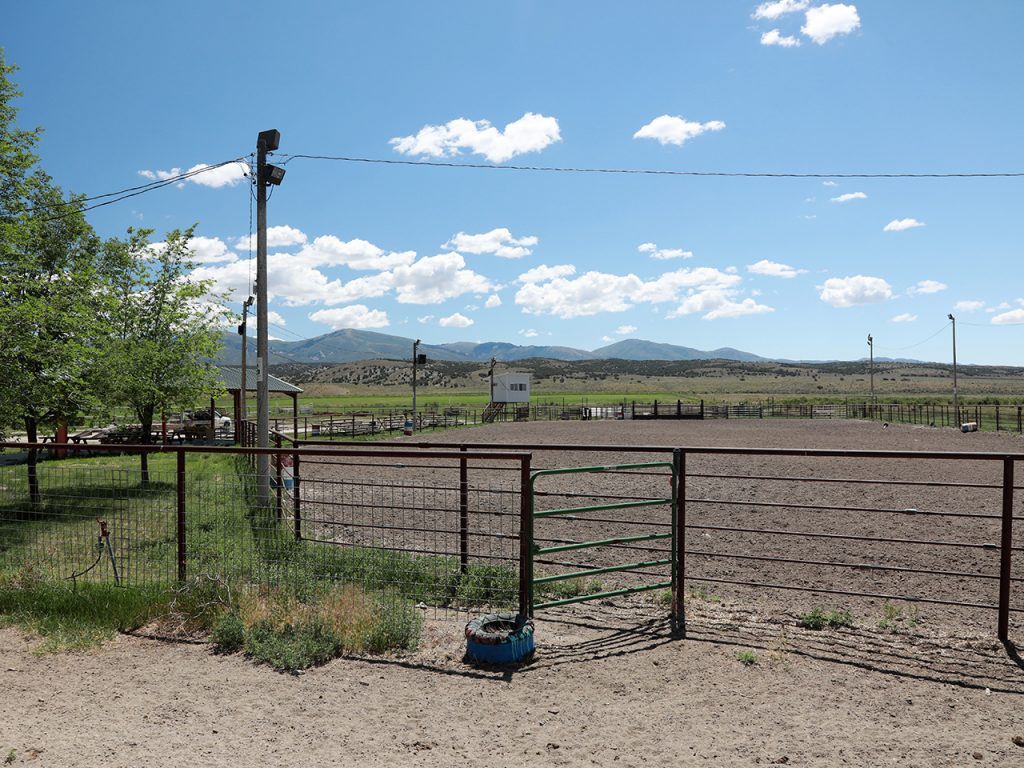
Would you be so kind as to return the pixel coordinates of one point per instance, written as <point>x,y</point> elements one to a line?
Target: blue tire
<point>500,638</point>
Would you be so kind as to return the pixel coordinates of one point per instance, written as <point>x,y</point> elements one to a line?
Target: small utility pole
<point>956,402</point>
<point>415,360</point>
<point>494,361</point>
<point>245,346</point>
<point>266,141</point>
<point>871,351</point>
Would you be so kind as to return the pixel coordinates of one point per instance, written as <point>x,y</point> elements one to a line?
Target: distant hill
<point>638,349</point>
<point>351,345</point>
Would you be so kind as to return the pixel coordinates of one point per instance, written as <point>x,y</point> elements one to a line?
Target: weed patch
<point>817,619</point>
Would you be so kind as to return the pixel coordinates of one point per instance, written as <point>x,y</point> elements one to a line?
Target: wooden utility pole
<point>267,141</point>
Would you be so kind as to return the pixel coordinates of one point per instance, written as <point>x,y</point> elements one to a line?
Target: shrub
<point>228,634</point>
<point>817,619</point>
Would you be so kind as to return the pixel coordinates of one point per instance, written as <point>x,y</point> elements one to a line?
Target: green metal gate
<point>529,581</point>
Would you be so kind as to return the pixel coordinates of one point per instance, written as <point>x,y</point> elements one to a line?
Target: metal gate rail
<point>534,550</point>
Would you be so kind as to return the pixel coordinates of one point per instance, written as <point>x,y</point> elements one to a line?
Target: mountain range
<point>351,345</point>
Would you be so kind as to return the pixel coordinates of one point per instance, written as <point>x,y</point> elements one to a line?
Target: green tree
<point>166,328</point>
<point>52,302</point>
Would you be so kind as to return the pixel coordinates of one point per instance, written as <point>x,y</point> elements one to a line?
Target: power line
<point>918,344</point>
<point>649,171</point>
<point>128,192</point>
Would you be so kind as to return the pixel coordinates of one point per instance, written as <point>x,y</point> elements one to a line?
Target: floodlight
<point>273,174</point>
<point>271,139</point>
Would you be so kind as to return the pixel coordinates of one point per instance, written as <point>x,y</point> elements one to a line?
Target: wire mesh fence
<point>440,524</point>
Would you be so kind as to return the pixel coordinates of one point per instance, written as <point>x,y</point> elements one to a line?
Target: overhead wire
<point>918,344</point>
<point>289,156</point>
<point>127,192</point>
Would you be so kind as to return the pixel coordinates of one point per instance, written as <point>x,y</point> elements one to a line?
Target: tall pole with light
<point>956,402</point>
<point>490,373</point>
<point>871,351</point>
<point>266,175</point>
<point>415,362</point>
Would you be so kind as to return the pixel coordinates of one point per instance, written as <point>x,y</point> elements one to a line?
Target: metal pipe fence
<point>448,524</point>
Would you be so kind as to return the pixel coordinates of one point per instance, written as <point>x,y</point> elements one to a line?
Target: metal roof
<point>232,376</point>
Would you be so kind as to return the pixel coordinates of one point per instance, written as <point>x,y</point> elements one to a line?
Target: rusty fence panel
<point>440,523</point>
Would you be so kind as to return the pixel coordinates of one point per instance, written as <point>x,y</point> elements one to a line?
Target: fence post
<point>296,502</point>
<point>463,512</point>
<point>181,516</point>
<point>280,489</point>
<point>1005,550</point>
<point>679,554</point>
<point>525,538</point>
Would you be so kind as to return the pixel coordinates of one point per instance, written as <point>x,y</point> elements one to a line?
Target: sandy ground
<point>609,685</point>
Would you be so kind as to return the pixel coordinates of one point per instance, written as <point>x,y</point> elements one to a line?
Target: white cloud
<point>717,303</point>
<point>530,133</point>
<point>224,176</point>
<point>287,279</point>
<point>355,316</point>
<point>543,273</point>
<point>529,333</point>
<point>774,37</point>
<point>209,250</point>
<point>607,338</point>
<point>331,251</point>
<point>1013,317</point>
<point>773,10</point>
<point>968,305</point>
<point>435,279</point>
<point>670,285</point>
<point>850,196</point>
<point>664,253</point>
<point>277,237</point>
<point>898,225</point>
<point>625,330</point>
<point>826,21</point>
<point>493,301</point>
<point>851,291</point>
<point>829,184</point>
<point>926,286</point>
<point>425,319</point>
<point>498,241</point>
<point>774,269</point>
<point>589,294</point>
<point>455,321</point>
<point>906,317</point>
<point>275,318</point>
<point>597,292</point>
<point>369,287</point>
<point>675,130</point>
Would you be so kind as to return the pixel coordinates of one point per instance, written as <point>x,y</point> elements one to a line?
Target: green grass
<point>818,619</point>
<point>893,616</point>
<point>700,592</point>
<point>71,619</point>
<point>568,589</point>
<point>229,542</point>
<point>290,633</point>
<point>746,658</point>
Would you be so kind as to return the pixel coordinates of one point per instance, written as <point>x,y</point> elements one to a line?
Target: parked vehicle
<point>221,423</point>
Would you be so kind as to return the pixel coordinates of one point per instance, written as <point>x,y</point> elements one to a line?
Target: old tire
<point>499,638</point>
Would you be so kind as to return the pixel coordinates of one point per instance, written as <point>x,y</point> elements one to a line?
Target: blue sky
<point>792,268</point>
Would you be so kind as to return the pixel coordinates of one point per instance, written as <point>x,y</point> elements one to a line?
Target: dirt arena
<point>609,685</point>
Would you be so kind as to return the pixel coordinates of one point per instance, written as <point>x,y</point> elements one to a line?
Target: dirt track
<point>609,685</point>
